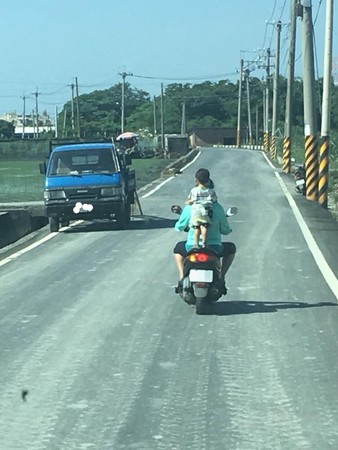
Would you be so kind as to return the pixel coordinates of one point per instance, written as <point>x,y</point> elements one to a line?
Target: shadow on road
<point>253,307</point>
<point>137,223</point>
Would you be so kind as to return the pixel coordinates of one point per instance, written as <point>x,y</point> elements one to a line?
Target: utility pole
<point>154,110</point>
<point>33,120</point>
<point>162,118</point>
<point>56,122</point>
<point>256,140</point>
<point>247,75</point>
<point>124,75</point>
<point>36,93</point>
<point>23,117</point>
<point>77,108</point>
<point>72,109</point>
<point>275,93</point>
<point>289,91</point>
<point>326,109</point>
<point>310,125</point>
<point>238,137</point>
<point>267,85</point>
<point>64,133</point>
<point>183,123</point>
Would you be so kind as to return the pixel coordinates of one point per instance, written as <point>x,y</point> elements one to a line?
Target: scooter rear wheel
<point>201,305</point>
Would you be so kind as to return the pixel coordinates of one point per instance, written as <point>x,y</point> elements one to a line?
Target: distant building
<point>25,126</point>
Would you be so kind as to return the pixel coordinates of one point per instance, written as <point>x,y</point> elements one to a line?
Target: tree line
<point>207,104</point>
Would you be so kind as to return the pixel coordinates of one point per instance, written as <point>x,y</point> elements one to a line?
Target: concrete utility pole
<point>310,125</point>
<point>56,122</point>
<point>23,116</point>
<point>124,75</point>
<point>154,110</point>
<point>183,123</point>
<point>267,89</point>
<point>77,107</point>
<point>326,109</point>
<point>72,109</point>
<point>162,118</point>
<point>289,91</point>
<point>36,93</point>
<point>238,138</point>
<point>275,94</point>
<point>247,75</point>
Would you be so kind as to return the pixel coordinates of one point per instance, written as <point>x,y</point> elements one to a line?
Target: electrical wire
<point>185,78</point>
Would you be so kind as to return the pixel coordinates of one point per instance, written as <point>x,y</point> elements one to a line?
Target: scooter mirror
<point>232,211</point>
<point>176,209</point>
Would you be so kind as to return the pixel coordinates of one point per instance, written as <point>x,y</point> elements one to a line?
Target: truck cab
<point>88,181</point>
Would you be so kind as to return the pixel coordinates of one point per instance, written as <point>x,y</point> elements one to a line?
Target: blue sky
<point>47,44</point>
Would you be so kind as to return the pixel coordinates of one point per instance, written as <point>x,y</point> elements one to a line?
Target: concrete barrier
<point>17,220</point>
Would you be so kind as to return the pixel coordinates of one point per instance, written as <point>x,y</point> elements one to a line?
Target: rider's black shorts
<point>228,248</point>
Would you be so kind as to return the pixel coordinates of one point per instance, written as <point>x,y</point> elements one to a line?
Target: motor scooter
<point>201,284</point>
<point>300,178</point>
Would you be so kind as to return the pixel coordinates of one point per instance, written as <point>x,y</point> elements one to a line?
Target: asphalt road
<point>111,358</point>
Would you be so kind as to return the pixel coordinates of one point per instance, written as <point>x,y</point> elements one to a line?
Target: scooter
<point>201,284</point>
<point>300,178</point>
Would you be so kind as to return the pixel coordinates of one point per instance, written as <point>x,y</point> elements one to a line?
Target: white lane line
<point>318,256</point>
<point>27,249</point>
<point>268,160</point>
<point>36,244</point>
<point>157,187</point>
<point>169,179</point>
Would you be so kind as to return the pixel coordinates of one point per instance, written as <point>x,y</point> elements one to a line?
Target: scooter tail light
<point>201,257</point>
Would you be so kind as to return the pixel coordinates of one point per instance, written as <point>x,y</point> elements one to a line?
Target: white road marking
<point>321,262</point>
<point>36,244</point>
<point>169,179</point>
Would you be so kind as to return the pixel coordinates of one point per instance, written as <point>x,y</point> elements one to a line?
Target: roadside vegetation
<point>207,104</point>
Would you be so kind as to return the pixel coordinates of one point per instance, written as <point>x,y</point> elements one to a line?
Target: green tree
<point>6,129</point>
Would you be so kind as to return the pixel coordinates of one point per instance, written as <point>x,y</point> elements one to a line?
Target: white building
<point>25,126</point>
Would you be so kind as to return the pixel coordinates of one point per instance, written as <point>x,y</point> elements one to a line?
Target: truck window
<point>81,161</point>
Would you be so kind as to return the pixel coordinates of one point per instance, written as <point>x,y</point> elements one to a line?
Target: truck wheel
<point>121,219</point>
<point>128,212</point>
<point>64,223</point>
<point>54,224</point>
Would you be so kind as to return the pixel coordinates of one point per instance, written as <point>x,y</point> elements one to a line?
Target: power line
<point>186,78</point>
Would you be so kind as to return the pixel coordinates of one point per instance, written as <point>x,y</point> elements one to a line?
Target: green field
<point>21,181</point>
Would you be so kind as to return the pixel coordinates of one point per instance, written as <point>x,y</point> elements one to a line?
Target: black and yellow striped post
<point>287,155</point>
<point>273,148</point>
<point>266,142</point>
<point>311,167</point>
<point>323,175</point>
<point>238,138</point>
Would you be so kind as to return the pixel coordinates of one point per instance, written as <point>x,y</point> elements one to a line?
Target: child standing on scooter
<point>201,198</point>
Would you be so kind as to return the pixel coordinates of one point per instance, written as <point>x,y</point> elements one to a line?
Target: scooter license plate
<point>201,276</point>
<point>300,182</point>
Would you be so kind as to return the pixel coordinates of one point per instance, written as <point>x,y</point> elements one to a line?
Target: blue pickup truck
<point>88,181</point>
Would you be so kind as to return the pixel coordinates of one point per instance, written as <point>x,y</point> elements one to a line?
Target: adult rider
<point>216,229</point>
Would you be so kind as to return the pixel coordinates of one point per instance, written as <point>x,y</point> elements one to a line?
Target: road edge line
<point>318,256</point>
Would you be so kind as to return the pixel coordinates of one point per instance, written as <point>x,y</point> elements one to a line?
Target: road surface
<point>97,352</point>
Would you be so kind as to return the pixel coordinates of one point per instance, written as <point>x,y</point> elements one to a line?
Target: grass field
<point>21,181</point>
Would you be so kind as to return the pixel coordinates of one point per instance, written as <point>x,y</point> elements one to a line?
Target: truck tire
<point>121,219</point>
<point>54,224</point>
<point>128,212</point>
